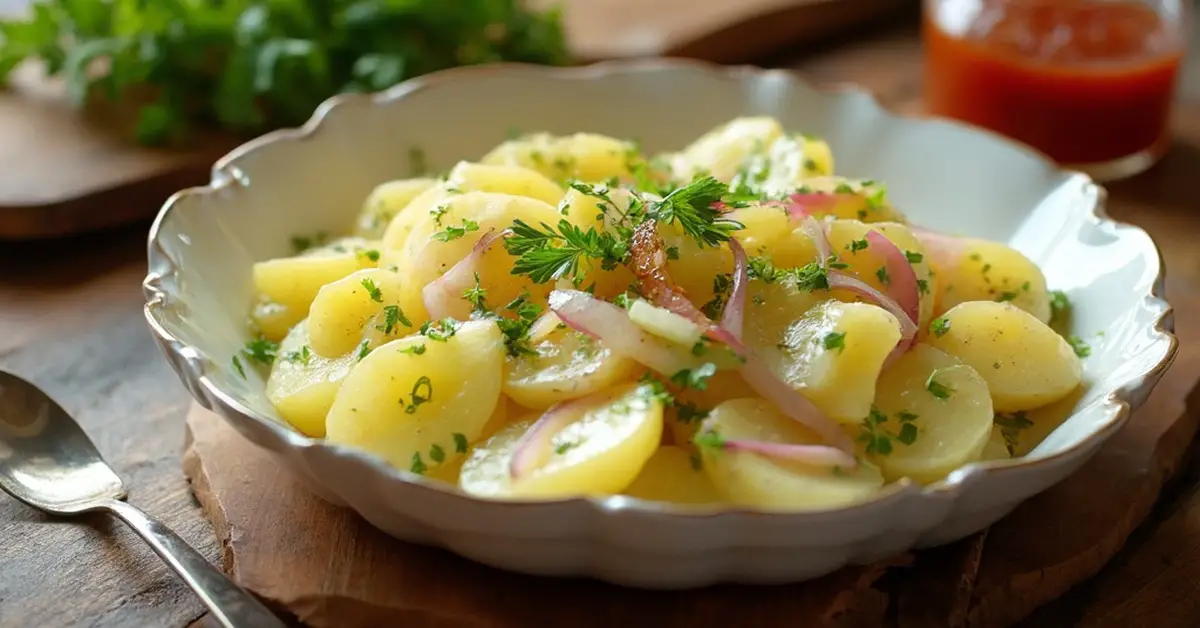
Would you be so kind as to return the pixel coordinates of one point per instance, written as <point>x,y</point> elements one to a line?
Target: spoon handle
<point>230,605</point>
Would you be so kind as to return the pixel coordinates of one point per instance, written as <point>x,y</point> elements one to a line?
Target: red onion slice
<point>443,297</point>
<point>804,204</point>
<point>842,281</point>
<point>902,279</point>
<point>731,319</point>
<point>795,405</point>
<point>533,448</point>
<point>813,229</point>
<point>611,325</point>
<point>816,455</point>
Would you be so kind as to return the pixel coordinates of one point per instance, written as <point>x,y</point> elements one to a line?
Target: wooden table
<point>70,319</point>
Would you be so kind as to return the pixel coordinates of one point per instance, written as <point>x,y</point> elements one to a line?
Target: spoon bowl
<point>48,462</point>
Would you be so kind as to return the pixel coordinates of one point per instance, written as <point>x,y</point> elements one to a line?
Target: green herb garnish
<point>834,340</point>
<point>373,290</point>
<point>453,233</point>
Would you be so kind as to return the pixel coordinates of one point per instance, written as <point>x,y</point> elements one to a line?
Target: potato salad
<point>730,324</point>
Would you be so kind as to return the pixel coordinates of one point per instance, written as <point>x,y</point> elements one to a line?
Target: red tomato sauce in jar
<point>1085,82</point>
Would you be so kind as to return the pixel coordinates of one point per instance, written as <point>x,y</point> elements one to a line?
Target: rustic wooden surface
<point>65,173</point>
<point>70,320</point>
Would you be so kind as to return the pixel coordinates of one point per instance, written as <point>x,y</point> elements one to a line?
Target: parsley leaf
<point>262,351</point>
<point>1011,426</point>
<point>834,340</point>
<point>460,443</point>
<point>939,326</point>
<point>453,233</point>
<point>548,253</point>
<point>393,317</point>
<point>913,257</point>
<point>695,378</point>
<point>373,290</point>
<point>857,245</point>
<point>936,388</point>
<point>1081,347</point>
<point>692,208</point>
<point>475,295</point>
<point>440,331</point>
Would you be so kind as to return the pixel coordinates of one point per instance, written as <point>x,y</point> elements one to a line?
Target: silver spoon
<point>48,462</point>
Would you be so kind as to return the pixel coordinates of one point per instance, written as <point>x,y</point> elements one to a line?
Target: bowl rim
<point>1118,404</point>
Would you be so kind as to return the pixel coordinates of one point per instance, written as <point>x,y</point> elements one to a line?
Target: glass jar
<point>1087,82</point>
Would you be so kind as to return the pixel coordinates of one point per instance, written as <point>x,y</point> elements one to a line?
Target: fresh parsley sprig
<point>551,253</point>
<point>692,207</point>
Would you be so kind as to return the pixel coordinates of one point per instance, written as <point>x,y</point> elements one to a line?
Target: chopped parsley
<point>441,330</point>
<point>418,465</point>
<point>422,393</point>
<point>475,295</point>
<point>878,438</point>
<point>436,453</point>
<point>363,351</point>
<point>1006,296</point>
<point>564,447</point>
<point>460,443</point>
<point>722,285</point>
<point>939,326</point>
<point>688,413</point>
<point>1060,306</point>
<point>936,388</point>
<point>834,340</point>
<point>393,317</point>
<point>695,378</point>
<point>302,243</point>
<point>373,290</point>
<point>301,357</point>
<point>692,208</point>
<point>548,253</point>
<point>882,274</point>
<point>1011,426</point>
<point>371,254</point>
<point>237,366</point>
<point>437,212</point>
<point>923,286</point>
<point>262,351</point>
<point>453,233</point>
<point>761,268</point>
<point>913,257</point>
<point>1081,347</point>
<point>857,245</point>
<point>708,438</point>
<point>414,350</point>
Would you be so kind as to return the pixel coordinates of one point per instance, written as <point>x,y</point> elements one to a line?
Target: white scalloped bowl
<point>940,174</point>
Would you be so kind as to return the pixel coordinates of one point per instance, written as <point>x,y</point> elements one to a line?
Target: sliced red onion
<point>816,455</point>
<point>611,325</point>
<point>534,446</point>
<point>731,319</point>
<point>795,405</point>
<point>813,229</point>
<point>842,281</point>
<point>443,297</point>
<point>902,279</point>
<point>804,204</point>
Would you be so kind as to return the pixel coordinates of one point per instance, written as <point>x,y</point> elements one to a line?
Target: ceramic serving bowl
<point>941,174</point>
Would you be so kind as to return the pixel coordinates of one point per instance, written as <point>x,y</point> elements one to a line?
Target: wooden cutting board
<point>63,173</point>
<point>326,567</point>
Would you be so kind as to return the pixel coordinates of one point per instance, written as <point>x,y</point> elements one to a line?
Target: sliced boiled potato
<point>567,365</point>
<point>584,156</point>
<point>833,354</point>
<point>432,249</point>
<point>272,320</point>
<point>449,471</point>
<point>303,384</point>
<point>469,177</point>
<point>789,162</point>
<point>969,269</point>
<point>750,479</point>
<point>847,239</point>
<point>291,283</point>
<point>773,306</point>
<point>419,408</point>
<point>1025,363</point>
<point>723,151</point>
<point>673,475</point>
<point>946,408</point>
<point>696,269</point>
<point>342,309</point>
<point>600,451</point>
<point>385,202</point>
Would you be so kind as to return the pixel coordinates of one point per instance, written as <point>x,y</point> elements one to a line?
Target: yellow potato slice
<point>945,404</point>
<point>584,156</point>
<point>749,479</point>
<point>599,453</point>
<point>673,475</point>
<point>856,199</point>
<point>723,151</point>
<point>420,408</point>
<point>342,309</point>
<point>290,284</point>
<point>1025,363</point>
<point>449,471</point>
<point>978,270</point>
<point>833,354</point>
<point>567,365</point>
<point>385,202</point>
<point>303,384</point>
<point>847,241</point>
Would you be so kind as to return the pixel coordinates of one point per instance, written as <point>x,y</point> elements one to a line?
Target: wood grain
<point>67,173</point>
